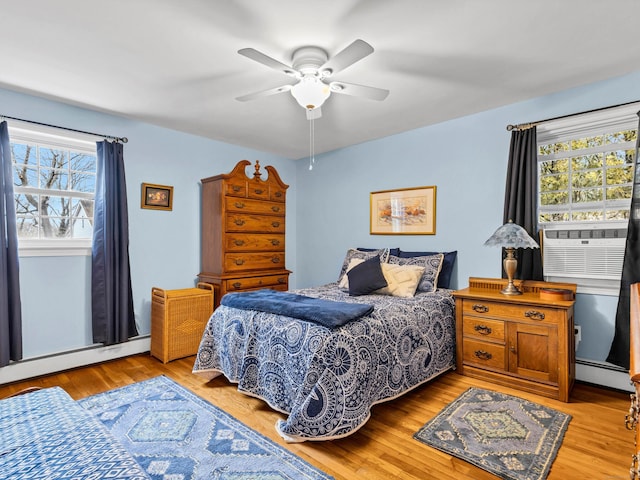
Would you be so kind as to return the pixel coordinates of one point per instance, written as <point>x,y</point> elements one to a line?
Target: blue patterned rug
<point>176,435</point>
<point>510,437</point>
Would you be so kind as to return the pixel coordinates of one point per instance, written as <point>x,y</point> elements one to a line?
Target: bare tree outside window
<point>54,191</point>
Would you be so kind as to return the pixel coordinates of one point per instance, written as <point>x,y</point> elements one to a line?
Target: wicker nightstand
<point>178,318</point>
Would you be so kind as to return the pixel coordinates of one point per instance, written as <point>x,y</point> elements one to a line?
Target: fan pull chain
<point>312,140</point>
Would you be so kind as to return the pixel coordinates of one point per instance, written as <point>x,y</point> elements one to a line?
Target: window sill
<point>49,249</point>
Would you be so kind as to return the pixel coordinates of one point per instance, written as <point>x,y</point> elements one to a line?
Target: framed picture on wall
<point>156,197</point>
<point>407,211</point>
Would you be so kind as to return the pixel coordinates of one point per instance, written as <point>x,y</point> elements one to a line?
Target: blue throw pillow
<point>392,251</point>
<point>366,277</point>
<point>444,279</point>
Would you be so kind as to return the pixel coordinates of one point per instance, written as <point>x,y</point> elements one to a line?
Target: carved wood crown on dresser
<point>243,231</point>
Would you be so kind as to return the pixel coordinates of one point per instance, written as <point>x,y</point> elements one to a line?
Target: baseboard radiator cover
<point>603,373</point>
<point>58,362</point>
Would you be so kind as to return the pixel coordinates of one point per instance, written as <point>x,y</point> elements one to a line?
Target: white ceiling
<point>174,63</point>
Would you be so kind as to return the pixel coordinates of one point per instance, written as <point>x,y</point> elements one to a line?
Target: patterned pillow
<point>444,279</point>
<point>402,280</point>
<point>355,253</point>
<point>344,281</point>
<point>432,265</point>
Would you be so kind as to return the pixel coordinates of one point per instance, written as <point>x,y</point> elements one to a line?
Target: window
<point>54,177</point>
<point>586,169</point>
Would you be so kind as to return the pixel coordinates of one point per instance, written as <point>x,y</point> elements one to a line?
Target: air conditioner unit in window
<point>588,255</point>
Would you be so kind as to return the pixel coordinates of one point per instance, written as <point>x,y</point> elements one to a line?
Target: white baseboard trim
<point>602,373</point>
<point>59,362</point>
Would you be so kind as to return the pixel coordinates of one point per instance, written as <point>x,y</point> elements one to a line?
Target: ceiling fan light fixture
<point>310,92</point>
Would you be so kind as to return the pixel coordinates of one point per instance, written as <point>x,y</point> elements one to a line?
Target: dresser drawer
<point>511,311</point>
<point>484,328</point>
<point>234,262</point>
<point>275,282</point>
<point>247,205</point>
<point>241,242</point>
<point>237,188</point>
<point>277,195</point>
<point>484,354</point>
<point>259,191</point>
<point>238,222</point>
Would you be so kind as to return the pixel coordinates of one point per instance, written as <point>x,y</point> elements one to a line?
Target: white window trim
<point>55,248</point>
<point>593,123</point>
<point>54,137</point>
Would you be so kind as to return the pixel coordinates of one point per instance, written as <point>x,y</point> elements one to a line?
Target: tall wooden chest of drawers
<point>243,231</point>
<point>523,341</point>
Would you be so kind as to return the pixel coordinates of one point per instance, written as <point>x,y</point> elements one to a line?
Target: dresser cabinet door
<point>533,351</point>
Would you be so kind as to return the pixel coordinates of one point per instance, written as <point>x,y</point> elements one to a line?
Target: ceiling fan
<point>313,68</point>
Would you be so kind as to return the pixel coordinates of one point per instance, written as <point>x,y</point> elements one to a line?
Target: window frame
<point>26,132</point>
<point>578,127</point>
<point>614,119</point>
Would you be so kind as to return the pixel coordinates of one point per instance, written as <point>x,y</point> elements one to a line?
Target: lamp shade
<point>310,92</point>
<point>511,235</point>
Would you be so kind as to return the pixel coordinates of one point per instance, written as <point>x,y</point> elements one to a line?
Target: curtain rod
<point>117,139</point>
<point>524,126</point>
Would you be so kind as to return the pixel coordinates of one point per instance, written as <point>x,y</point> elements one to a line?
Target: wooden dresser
<point>522,341</point>
<point>243,231</point>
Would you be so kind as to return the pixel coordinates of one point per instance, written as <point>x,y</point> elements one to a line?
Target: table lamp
<point>511,236</point>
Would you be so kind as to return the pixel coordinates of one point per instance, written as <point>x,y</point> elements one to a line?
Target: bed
<point>327,378</point>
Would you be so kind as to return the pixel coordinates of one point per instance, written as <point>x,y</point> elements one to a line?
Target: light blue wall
<point>164,246</point>
<point>327,208</point>
<point>466,159</point>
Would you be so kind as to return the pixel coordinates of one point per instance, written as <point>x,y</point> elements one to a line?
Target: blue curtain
<point>521,197</point>
<point>10,307</point>
<point>113,319</point>
<point>619,351</point>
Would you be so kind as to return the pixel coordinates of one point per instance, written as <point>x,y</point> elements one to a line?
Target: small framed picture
<point>408,211</point>
<point>156,197</point>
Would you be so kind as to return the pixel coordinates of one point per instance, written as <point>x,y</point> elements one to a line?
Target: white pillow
<point>402,280</point>
<point>344,281</point>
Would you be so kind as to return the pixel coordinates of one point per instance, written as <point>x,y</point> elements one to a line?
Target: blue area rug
<point>176,435</point>
<point>510,437</point>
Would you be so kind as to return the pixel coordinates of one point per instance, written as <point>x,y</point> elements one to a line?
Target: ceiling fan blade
<point>260,57</point>
<point>313,114</point>
<point>347,57</point>
<point>264,93</point>
<point>371,93</point>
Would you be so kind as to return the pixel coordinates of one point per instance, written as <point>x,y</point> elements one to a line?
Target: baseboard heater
<point>58,362</point>
<point>603,373</point>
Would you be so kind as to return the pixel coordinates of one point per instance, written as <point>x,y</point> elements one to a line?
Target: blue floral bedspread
<point>326,380</point>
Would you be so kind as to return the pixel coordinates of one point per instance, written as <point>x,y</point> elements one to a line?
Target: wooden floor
<point>596,444</point>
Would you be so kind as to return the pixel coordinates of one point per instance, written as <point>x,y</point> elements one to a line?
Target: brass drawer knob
<point>238,243</point>
<point>239,261</point>
<point>278,194</point>
<point>239,222</point>
<point>275,208</point>
<point>482,329</point>
<point>483,355</point>
<point>259,191</point>
<point>282,280</point>
<point>236,188</point>
<point>534,315</point>
<point>239,205</point>
<point>275,242</point>
<point>275,224</point>
<point>236,285</point>
<point>480,308</point>
<point>275,260</point>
